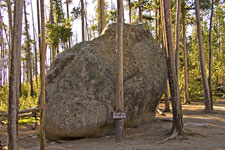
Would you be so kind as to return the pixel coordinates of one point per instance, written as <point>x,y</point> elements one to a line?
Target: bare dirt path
<point>203,132</point>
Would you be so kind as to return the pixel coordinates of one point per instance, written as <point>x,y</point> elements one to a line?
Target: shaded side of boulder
<point>80,85</point>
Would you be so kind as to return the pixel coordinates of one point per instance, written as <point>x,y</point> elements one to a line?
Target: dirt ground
<point>203,132</point>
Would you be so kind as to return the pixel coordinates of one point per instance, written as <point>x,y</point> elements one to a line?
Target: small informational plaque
<point>119,115</point>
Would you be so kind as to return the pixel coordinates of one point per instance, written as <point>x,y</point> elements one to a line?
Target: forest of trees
<point>191,32</point>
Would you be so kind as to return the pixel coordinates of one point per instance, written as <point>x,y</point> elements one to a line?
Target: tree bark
<point>202,60</point>
<point>43,56</point>
<point>167,102</point>
<point>82,19</point>
<point>129,5</point>
<point>164,44</point>
<point>156,23</point>
<point>68,16</point>
<point>14,75</point>
<point>10,29</point>
<point>29,63</point>
<point>210,56</point>
<point>35,46</point>
<point>119,101</point>
<point>140,11</point>
<point>51,19</point>
<point>177,128</point>
<point>159,26</point>
<point>102,16</point>
<point>186,93</point>
<point>177,51</point>
<point>39,26</point>
<point>67,9</point>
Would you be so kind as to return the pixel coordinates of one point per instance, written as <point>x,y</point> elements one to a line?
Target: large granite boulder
<point>80,84</point>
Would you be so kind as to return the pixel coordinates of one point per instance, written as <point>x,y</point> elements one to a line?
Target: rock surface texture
<point>80,85</point>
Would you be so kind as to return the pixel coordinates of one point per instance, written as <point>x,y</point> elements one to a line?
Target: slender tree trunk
<point>86,23</point>
<point>210,56</point>
<point>14,75</point>
<point>43,56</point>
<point>156,24</point>
<point>167,102</point>
<point>51,18</point>
<point>39,27</point>
<point>202,60</point>
<point>177,51</point>
<point>177,47</point>
<point>102,16</point>
<point>82,19</point>
<point>68,16</point>
<point>67,9</point>
<point>186,93</point>
<point>29,63</point>
<point>159,26</point>
<point>53,52</point>
<point>35,45</point>
<point>119,101</point>
<point>140,11</point>
<point>129,5</point>
<point>177,128</point>
<point>164,44</point>
<point>10,29</point>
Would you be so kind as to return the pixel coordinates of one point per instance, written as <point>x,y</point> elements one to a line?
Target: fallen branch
<point>22,113</point>
<point>31,114</point>
<point>5,113</point>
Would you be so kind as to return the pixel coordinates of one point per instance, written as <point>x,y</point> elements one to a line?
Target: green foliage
<point>76,13</point>
<point>112,16</point>
<point>61,29</point>
<point>29,120</point>
<point>4,97</point>
<point>218,53</point>
<point>25,101</point>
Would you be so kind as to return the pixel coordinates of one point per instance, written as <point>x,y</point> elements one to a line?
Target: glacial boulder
<point>80,84</point>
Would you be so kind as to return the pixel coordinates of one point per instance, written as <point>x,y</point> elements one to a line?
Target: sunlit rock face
<point>80,85</point>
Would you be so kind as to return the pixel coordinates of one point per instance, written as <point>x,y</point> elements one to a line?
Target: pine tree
<point>42,64</point>
<point>14,75</point>
<point>119,101</point>
<point>202,60</point>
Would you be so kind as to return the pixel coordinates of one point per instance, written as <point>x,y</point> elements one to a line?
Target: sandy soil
<point>203,132</point>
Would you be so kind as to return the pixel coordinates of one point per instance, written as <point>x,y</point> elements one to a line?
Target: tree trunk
<point>53,52</point>
<point>129,5</point>
<point>167,102</point>
<point>67,9</point>
<point>159,26</point>
<point>51,19</point>
<point>68,16</point>
<point>156,23</point>
<point>186,93</point>
<point>164,44</point>
<point>102,16</point>
<point>35,45</point>
<point>10,29</point>
<point>82,19</point>
<point>177,51</point>
<point>140,11</point>
<point>29,63</point>
<point>210,56</point>
<point>202,60</point>
<point>39,27</point>
<point>43,56</point>
<point>119,101</point>
<point>177,128</point>
<point>14,75</point>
